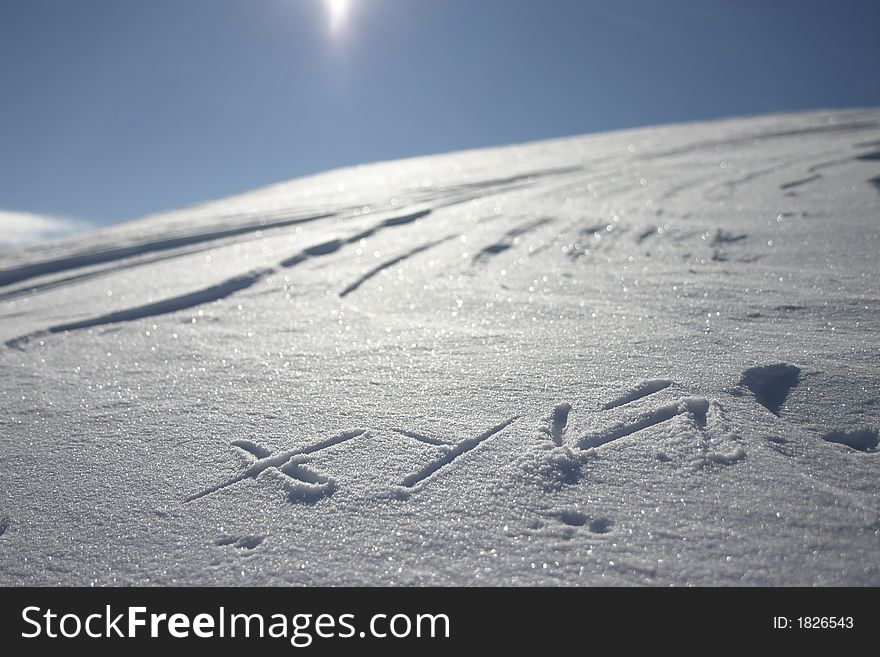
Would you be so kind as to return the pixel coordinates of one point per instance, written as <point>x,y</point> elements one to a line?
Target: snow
<point>640,357</point>
<point>18,229</point>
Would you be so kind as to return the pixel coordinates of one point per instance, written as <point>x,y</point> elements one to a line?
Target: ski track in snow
<point>801,182</point>
<point>219,291</point>
<point>422,301</point>
<point>332,246</point>
<point>508,240</point>
<point>390,263</point>
<point>164,307</point>
<point>26,272</point>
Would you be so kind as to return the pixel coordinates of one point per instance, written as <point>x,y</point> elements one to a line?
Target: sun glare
<point>337,14</point>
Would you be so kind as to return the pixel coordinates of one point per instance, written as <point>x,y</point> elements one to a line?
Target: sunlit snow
<point>641,357</point>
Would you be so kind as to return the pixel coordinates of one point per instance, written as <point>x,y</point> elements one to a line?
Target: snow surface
<point>641,357</point>
<point>19,229</point>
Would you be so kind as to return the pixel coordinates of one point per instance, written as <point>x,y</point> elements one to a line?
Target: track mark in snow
<point>712,145</point>
<point>644,389</point>
<point>867,157</point>
<point>390,263</point>
<point>697,407</point>
<point>242,542</point>
<point>4,524</point>
<point>863,440</point>
<point>508,240</point>
<point>421,437</point>
<point>720,444</point>
<point>646,233</point>
<point>727,188</point>
<point>303,484</point>
<point>325,248</point>
<point>402,220</point>
<point>164,307</point>
<point>255,451</point>
<point>771,384</point>
<point>601,525</point>
<point>875,182</point>
<point>778,445</point>
<point>73,279</point>
<point>24,272</point>
<point>528,178</point>
<point>802,181</point>
<point>332,246</point>
<point>557,423</point>
<point>726,237</point>
<point>593,238</point>
<point>454,452</point>
<point>464,193</point>
<point>591,233</point>
<point>322,249</point>
<point>573,518</point>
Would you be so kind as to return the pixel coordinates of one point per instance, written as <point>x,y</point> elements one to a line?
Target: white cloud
<point>21,228</point>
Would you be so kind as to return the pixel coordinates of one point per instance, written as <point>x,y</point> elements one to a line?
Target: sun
<point>337,14</point>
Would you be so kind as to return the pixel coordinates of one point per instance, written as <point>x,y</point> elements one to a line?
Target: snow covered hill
<point>641,357</point>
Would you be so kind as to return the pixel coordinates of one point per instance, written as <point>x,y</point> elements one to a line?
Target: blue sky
<point>111,109</point>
